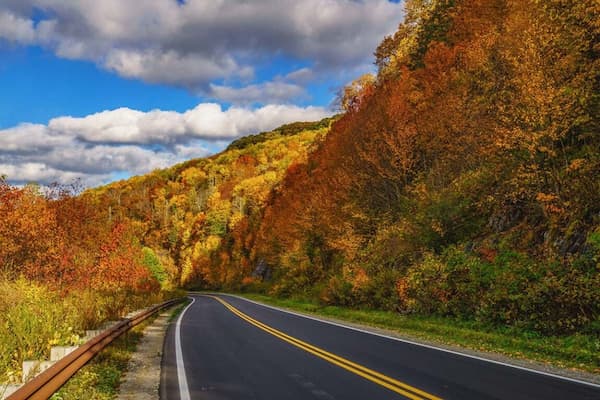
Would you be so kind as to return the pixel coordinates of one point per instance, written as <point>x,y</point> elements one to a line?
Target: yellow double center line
<point>390,383</point>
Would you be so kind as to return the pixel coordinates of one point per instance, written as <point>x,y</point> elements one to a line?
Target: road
<point>224,347</point>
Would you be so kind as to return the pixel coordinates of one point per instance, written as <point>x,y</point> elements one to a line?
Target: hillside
<point>69,262</point>
<point>199,218</point>
<point>462,179</point>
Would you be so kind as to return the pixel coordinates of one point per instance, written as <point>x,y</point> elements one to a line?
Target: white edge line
<point>184,392</point>
<point>419,344</point>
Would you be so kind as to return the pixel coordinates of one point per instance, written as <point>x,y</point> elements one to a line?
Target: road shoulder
<point>142,378</point>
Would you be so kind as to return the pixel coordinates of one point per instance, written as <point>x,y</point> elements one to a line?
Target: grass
<point>34,317</point>
<point>179,309</point>
<point>101,377</point>
<point>576,351</point>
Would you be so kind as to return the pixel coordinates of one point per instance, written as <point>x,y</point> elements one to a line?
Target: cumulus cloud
<point>16,29</point>
<point>267,92</point>
<point>301,75</point>
<point>95,147</point>
<point>38,172</point>
<point>193,43</point>
<point>206,121</point>
<point>170,67</point>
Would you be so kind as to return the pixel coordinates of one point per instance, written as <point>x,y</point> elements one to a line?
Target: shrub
<point>550,296</point>
<point>337,291</point>
<point>32,319</point>
<point>152,262</point>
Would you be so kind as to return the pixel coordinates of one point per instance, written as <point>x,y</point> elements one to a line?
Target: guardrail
<point>48,382</point>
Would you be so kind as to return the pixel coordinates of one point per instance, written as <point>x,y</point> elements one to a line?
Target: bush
<point>338,291</point>
<point>152,262</point>
<point>548,296</point>
<point>379,290</point>
<point>32,319</point>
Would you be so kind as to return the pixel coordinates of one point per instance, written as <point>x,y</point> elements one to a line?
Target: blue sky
<point>103,90</point>
<point>37,86</point>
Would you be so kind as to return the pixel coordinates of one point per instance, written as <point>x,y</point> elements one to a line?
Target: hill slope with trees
<point>462,179</point>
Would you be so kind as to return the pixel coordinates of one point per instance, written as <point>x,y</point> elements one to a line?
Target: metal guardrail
<point>48,382</point>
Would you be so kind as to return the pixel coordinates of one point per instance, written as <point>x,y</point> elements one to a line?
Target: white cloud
<point>210,121</point>
<point>41,173</point>
<point>96,146</point>
<point>206,121</point>
<point>16,29</point>
<point>118,125</point>
<point>268,92</point>
<point>30,138</point>
<point>170,67</point>
<point>200,41</point>
<point>301,75</point>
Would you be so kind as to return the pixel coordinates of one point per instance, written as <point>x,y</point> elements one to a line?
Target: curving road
<point>224,347</point>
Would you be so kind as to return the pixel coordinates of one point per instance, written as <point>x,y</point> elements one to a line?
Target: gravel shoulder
<point>142,379</point>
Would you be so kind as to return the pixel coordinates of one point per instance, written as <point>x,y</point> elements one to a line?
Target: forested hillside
<point>199,219</point>
<point>461,180</point>
<point>70,261</point>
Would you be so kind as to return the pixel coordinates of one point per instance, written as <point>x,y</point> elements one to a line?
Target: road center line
<point>184,392</point>
<point>373,376</point>
<point>419,344</point>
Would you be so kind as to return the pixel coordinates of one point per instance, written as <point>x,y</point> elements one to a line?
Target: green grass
<point>577,351</point>
<point>101,377</point>
<point>179,309</point>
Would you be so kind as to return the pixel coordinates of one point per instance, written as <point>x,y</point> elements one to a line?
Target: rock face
<point>507,218</point>
<point>142,379</point>
<point>571,244</point>
<point>262,271</point>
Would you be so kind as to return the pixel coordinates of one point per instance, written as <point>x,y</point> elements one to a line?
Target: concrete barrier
<point>31,368</point>
<point>6,390</point>
<point>58,352</point>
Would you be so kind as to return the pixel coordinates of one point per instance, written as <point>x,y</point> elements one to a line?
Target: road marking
<point>427,346</point>
<point>373,376</point>
<point>184,392</point>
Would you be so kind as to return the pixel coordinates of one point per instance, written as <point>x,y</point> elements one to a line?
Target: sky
<point>100,90</point>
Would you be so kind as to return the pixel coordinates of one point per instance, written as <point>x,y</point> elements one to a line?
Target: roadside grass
<point>179,309</point>
<point>101,377</point>
<point>34,317</point>
<point>577,351</point>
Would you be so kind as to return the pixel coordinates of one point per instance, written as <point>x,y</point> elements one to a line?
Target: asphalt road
<point>229,348</point>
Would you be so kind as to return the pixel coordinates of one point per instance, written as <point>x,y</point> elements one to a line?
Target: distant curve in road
<point>231,348</point>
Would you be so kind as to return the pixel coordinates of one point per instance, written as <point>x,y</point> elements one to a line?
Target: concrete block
<point>91,334</point>
<point>31,368</point>
<point>58,352</point>
<point>7,390</point>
